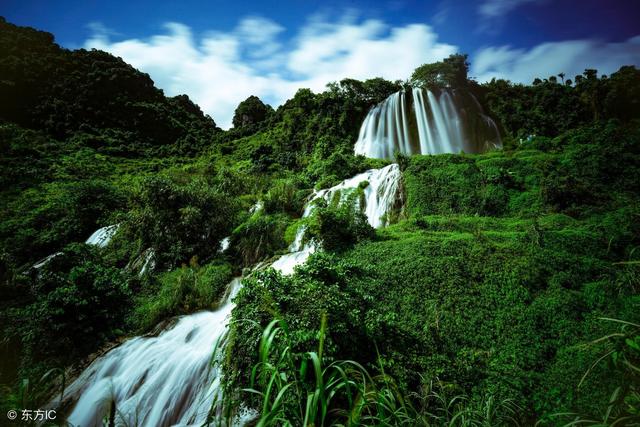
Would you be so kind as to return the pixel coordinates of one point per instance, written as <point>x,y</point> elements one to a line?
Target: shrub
<point>260,236</point>
<point>340,225</point>
<point>78,303</point>
<point>285,196</point>
<point>180,222</point>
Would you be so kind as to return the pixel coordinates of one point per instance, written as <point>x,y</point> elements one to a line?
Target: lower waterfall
<point>157,381</point>
<point>168,379</point>
<point>426,122</point>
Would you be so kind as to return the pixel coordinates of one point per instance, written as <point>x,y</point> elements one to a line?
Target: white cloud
<point>221,69</point>
<point>570,57</point>
<point>498,8</point>
<point>260,34</point>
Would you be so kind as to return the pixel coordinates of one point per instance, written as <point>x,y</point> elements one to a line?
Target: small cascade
<point>157,381</point>
<point>426,122</point>
<point>379,198</point>
<point>380,195</point>
<point>102,236</point>
<point>225,243</point>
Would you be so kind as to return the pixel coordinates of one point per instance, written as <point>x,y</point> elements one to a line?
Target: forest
<point>504,288</point>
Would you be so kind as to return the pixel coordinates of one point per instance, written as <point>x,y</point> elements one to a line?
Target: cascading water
<point>102,236</point>
<point>379,198</point>
<point>157,381</point>
<point>449,121</point>
<point>168,379</point>
<point>380,195</point>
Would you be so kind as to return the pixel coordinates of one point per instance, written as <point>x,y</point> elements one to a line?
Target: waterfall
<point>379,195</point>
<point>162,380</point>
<point>102,236</point>
<point>379,198</point>
<point>168,379</point>
<point>425,122</point>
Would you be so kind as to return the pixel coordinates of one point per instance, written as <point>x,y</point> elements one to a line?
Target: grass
<point>182,291</point>
<point>308,389</point>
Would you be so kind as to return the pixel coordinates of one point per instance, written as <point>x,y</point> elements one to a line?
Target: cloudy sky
<point>220,52</point>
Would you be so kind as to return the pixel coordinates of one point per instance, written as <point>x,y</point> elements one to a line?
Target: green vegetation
<point>251,111</point>
<point>550,107</point>
<point>491,285</point>
<point>300,390</point>
<point>74,302</point>
<point>182,291</point>
<point>483,303</point>
<point>339,225</point>
<point>450,72</point>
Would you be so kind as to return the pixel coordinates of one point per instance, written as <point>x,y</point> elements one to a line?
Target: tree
<point>450,72</point>
<point>590,89</point>
<point>251,111</point>
<point>180,221</point>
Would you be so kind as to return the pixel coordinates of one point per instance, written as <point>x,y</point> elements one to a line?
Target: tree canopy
<point>450,72</point>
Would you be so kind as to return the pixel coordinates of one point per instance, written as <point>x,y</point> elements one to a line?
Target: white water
<point>380,196</point>
<point>157,381</point>
<point>426,123</point>
<point>102,236</point>
<point>225,243</point>
<point>45,261</point>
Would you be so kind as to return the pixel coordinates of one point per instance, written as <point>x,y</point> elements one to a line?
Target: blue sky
<point>220,52</point>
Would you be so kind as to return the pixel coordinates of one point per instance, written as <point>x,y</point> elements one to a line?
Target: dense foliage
<point>251,111</point>
<point>489,273</point>
<point>487,288</point>
<point>450,72</point>
<point>550,107</point>
<point>110,104</point>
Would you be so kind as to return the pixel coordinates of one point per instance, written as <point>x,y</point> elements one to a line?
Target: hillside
<point>493,274</point>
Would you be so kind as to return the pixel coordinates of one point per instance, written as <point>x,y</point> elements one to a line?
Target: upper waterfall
<point>426,122</point>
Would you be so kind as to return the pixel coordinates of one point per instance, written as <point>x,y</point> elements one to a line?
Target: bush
<point>180,222</point>
<point>340,225</point>
<point>318,287</point>
<point>285,196</point>
<point>259,237</point>
<point>78,303</point>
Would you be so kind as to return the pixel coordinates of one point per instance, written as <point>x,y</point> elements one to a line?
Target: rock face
<point>426,122</point>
